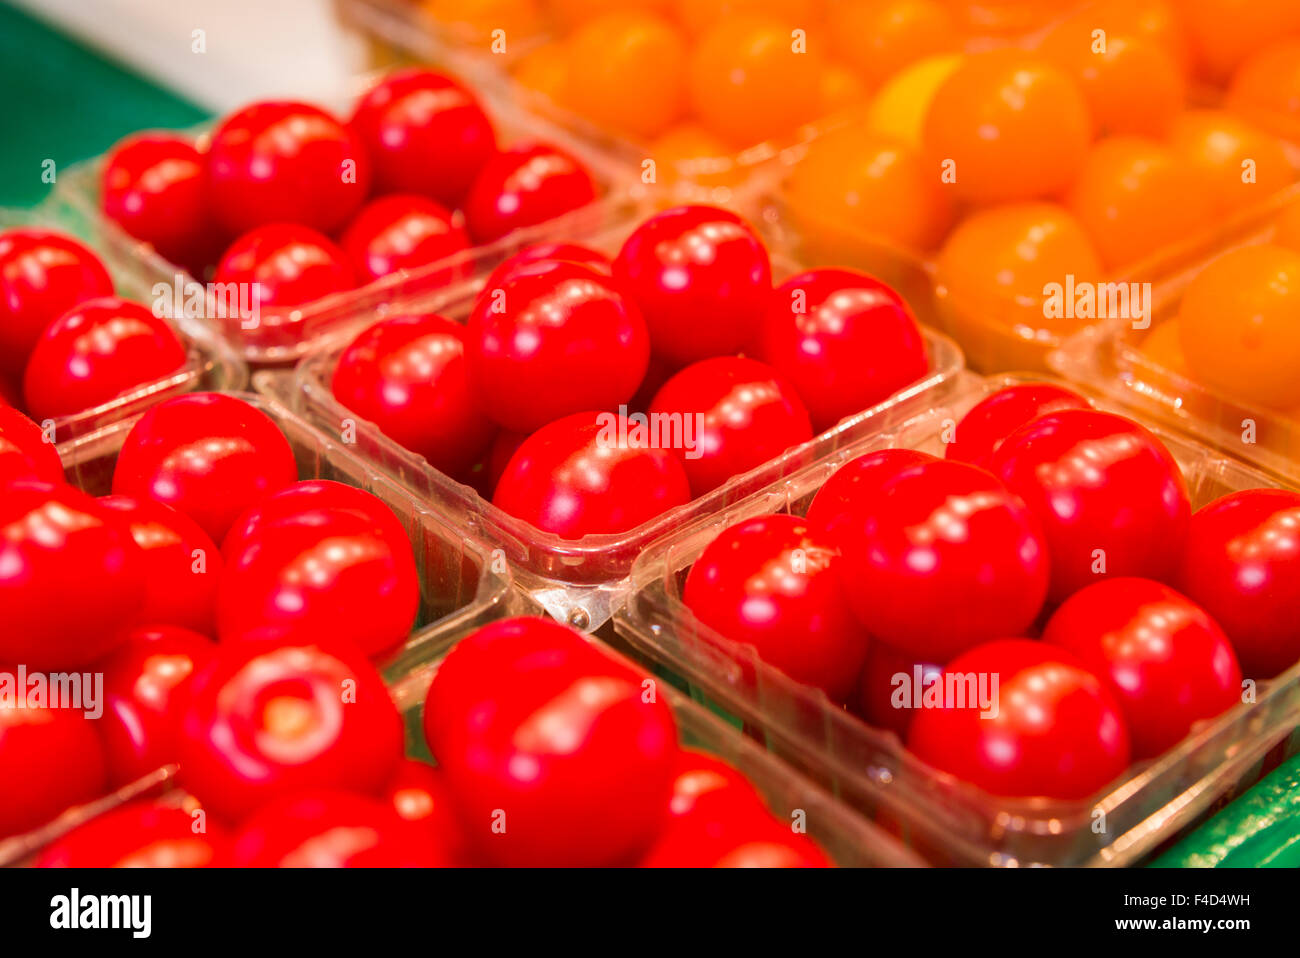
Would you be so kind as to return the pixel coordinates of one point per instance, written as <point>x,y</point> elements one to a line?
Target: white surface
<point>255,49</point>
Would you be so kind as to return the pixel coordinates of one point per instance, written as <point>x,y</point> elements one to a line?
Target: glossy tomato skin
<point>43,274</point>
<point>568,748</point>
<point>409,376</point>
<point>152,187</point>
<point>843,339</point>
<point>1105,489</point>
<point>207,455</point>
<point>1058,731</point>
<point>182,564</point>
<point>944,558</point>
<point>884,696</point>
<point>333,829</point>
<point>420,793</point>
<point>56,758</point>
<point>702,278</point>
<point>265,720</point>
<point>573,479</point>
<point>743,413</point>
<point>404,232</point>
<point>145,680</point>
<point>320,571</point>
<point>1242,565</point>
<point>989,422</point>
<point>96,352</point>
<point>1168,663</point>
<point>831,512</point>
<point>291,264</point>
<point>285,162</point>
<point>770,583</point>
<point>306,499</point>
<point>425,133</point>
<point>547,252</point>
<point>554,339</point>
<point>142,834</point>
<point>525,185</point>
<point>24,453</point>
<point>70,576</point>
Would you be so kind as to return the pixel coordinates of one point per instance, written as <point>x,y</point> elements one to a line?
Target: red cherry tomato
<point>885,693</point>
<point>704,785</point>
<point>573,478</point>
<point>425,133</point>
<point>566,764</point>
<point>24,453</point>
<point>265,720</point>
<point>769,583</point>
<point>1242,565</point>
<point>152,187</point>
<point>1057,732</point>
<point>285,162</point>
<point>943,558</point>
<point>742,412</point>
<point>525,185</point>
<point>1168,664</point>
<point>555,338</point>
<point>404,232</point>
<point>143,834</point>
<point>329,829</point>
<point>145,679</point>
<point>701,277</point>
<point>409,376</point>
<point>320,571</point>
<point>42,275</point>
<point>312,496</point>
<point>856,482</point>
<point>292,265</point>
<point>548,252</point>
<point>420,793</point>
<point>70,576</point>
<point>208,455</point>
<point>96,352</point>
<point>182,564</point>
<point>1110,497</point>
<point>50,759</point>
<point>843,339</point>
<point>982,430</point>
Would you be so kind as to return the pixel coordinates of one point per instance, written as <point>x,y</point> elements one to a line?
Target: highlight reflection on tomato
<point>982,430</point>
<point>152,187</point>
<point>290,264</point>
<point>832,509</point>
<point>35,744</point>
<point>24,453</point>
<point>141,834</point>
<point>525,185</point>
<point>404,232</point>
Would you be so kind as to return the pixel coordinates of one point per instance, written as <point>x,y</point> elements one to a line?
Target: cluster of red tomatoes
<point>1053,550</point>
<point>530,400</point>
<point>285,195</point>
<point>67,344</point>
<point>292,755</point>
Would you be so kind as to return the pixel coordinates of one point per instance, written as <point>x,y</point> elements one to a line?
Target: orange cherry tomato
<point>698,16</point>
<point>1267,88</point>
<point>748,83</point>
<point>1240,164</point>
<point>1136,196</point>
<point>1009,126</point>
<point>1240,320</point>
<point>473,21</point>
<point>1158,20</point>
<point>690,152</point>
<point>1132,84</point>
<point>574,13</point>
<point>880,37</point>
<point>545,70</point>
<point>627,73</point>
<point>840,88</point>
<point>1163,346</point>
<point>1288,228</point>
<point>1223,33</point>
<point>871,185</point>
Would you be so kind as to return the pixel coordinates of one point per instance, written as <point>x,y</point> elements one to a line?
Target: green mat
<point>67,103</point>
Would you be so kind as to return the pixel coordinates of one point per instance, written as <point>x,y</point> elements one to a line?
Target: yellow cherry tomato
<point>899,107</point>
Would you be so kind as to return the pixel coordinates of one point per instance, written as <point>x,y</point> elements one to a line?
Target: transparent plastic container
<point>463,583</point>
<point>138,274</point>
<point>280,335</point>
<point>579,581</point>
<point>1110,359</point>
<point>946,820</point>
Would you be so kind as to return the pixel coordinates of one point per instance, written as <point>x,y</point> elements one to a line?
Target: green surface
<point>66,103</point>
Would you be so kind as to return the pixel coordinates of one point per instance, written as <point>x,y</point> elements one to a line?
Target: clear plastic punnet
<point>579,581</point>
<point>279,336</point>
<point>946,820</point>
<point>142,276</point>
<point>1111,360</point>
<point>461,586</point>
